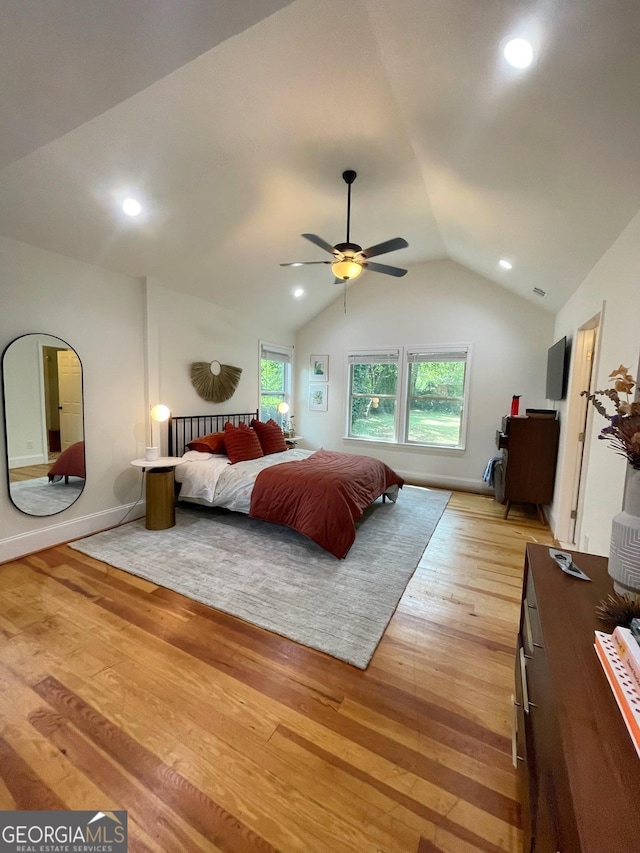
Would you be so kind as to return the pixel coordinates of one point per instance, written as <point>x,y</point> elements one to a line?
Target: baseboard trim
<point>458,484</point>
<point>57,533</point>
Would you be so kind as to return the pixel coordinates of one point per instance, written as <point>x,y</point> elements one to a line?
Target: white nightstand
<point>161,503</point>
<point>291,442</point>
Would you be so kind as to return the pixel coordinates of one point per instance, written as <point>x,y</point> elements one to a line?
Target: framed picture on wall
<point>319,368</point>
<point>318,396</point>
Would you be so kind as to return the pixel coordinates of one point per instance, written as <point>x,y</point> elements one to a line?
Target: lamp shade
<point>283,408</point>
<point>160,413</point>
<point>346,269</point>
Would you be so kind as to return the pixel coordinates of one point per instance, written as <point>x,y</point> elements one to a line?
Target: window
<point>373,390</point>
<point>275,380</point>
<point>431,408</point>
<point>435,396</point>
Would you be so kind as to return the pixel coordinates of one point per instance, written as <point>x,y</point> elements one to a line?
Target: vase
<point>624,554</point>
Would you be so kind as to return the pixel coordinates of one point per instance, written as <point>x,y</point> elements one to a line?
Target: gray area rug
<point>279,580</point>
<point>40,497</point>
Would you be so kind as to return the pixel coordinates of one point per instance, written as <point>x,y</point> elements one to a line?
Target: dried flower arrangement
<point>623,431</point>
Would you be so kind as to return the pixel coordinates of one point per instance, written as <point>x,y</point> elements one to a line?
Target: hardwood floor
<point>31,472</point>
<point>216,735</point>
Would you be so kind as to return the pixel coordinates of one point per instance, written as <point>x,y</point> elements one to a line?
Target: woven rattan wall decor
<point>214,382</point>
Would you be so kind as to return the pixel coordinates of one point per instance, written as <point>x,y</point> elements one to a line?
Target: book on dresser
<point>624,689</point>
<point>629,651</point>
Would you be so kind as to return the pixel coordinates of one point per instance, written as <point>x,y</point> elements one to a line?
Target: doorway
<point>577,433</point>
<point>62,381</point>
<point>51,401</point>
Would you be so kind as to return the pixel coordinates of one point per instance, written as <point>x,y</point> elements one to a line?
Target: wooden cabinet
<point>579,771</point>
<point>530,450</point>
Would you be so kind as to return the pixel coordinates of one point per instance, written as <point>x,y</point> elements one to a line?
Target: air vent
<point>539,292</point>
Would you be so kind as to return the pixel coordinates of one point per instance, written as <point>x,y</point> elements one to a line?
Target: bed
<point>319,493</point>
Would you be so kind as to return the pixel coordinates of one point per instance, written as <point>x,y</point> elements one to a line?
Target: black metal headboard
<point>185,428</point>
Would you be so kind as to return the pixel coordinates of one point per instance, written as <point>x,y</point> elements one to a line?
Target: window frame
<point>406,356</point>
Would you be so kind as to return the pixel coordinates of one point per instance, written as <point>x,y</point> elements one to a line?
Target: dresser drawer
<point>530,619</point>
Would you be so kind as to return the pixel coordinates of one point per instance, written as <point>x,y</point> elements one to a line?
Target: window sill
<point>400,445</point>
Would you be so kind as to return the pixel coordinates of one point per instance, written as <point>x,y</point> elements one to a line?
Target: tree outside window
<point>435,402</point>
<point>373,396</point>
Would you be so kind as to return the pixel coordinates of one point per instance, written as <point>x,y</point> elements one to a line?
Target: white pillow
<point>197,456</point>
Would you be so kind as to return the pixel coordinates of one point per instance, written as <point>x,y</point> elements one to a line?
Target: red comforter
<point>322,496</point>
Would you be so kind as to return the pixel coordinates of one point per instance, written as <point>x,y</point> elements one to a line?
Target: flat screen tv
<point>557,364</point>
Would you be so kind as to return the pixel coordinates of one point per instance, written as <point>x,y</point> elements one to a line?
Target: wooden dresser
<point>529,450</point>
<point>579,770</point>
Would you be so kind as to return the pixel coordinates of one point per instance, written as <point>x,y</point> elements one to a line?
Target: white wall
<point>183,329</point>
<point>100,314</point>
<point>614,281</point>
<point>437,302</point>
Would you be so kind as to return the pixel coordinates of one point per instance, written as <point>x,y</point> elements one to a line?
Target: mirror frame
<point>44,449</point>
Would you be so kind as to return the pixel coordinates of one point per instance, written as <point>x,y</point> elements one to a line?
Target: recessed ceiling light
<point>298,292</point>
<point>131,207</point>
<point>505,264</point>
<point>296,264</point>
<point>518,53</point>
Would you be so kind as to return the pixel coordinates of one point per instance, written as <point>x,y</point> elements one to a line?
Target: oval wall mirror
<point>44,424</point>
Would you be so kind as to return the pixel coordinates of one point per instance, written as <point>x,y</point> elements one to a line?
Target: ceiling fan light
<point>346,269</point>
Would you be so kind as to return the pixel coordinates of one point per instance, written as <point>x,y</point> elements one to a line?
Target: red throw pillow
<point>241,442</point>
<point>212,443</point>
<point>270,436</point>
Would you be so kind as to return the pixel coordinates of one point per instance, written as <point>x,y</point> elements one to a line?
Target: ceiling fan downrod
<point>349,177</point>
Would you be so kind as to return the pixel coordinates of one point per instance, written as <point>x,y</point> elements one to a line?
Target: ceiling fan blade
<point>319,242</point>
<point>304,263</point>
<point>386,269</point>
<point>382,248</point>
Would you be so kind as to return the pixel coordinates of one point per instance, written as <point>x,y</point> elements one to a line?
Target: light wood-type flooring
<point>32,472</point>
<point>216,735</point>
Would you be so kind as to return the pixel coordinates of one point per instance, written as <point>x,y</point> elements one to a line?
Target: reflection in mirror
<point>44,424</point>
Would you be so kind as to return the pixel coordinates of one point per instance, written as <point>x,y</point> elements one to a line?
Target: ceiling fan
<point>349,259</point>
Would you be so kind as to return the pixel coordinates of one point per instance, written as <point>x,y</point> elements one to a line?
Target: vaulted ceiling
<point>233,122</point>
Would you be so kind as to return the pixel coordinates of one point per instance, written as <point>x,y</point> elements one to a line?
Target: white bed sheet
<point>211,480</point>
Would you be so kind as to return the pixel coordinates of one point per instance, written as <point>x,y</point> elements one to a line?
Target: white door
<point>70,398</point>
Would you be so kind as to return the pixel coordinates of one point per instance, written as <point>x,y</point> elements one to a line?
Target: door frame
<point>578,420</point>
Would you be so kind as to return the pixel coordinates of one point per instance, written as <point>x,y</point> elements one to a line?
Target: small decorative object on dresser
<point>624,554</point>
<point>623,434</point>
<point>619,609</point>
